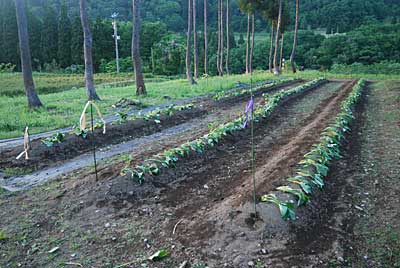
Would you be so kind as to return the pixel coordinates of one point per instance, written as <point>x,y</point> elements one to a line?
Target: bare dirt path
<point>105,224</point>
<point>218,112</point>
<point>12,142</point>
<point>356,221</point>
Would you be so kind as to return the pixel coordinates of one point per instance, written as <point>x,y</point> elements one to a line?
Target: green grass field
<point>62,108</point>
<point>11,83</point>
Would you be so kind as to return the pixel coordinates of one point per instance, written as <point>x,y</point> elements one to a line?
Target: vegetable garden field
<point>284,173</point>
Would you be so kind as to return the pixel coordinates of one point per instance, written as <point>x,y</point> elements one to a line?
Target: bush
<point>383,67</point>
<point>75,69</point>
<point>7,67</point>
<point>125,65</point>
<point>52,67</point>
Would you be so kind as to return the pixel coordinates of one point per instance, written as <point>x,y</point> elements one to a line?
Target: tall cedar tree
<point>49,38</point>
<point>248,44</point>
<point>2,17</point>
<point>189,74</point>
<point>205,40</point>
<point>137,61</point>
<point>285,23</point>
<point>76,42</point>
<point>252,44</point>
<point>246,6</point>
<point>221,61</point>
<point>227,38</point>
<point>282,46</point>
<point>277,70</point>
<point>35,31</point>
<point>26,65</point>
<point>271,48</point>
<point>195,50</point>
<point>218,37</point>
<point>9,38</point>
<point>296,29</point>
<point>87,48</point>
<point>64,37</point>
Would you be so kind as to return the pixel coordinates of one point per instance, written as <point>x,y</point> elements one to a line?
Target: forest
<point>199,134</point>
<point>56,35</point>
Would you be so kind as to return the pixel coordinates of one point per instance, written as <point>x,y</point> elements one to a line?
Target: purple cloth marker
<point>249,111</point>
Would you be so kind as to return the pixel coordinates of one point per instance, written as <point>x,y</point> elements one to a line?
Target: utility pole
<point>116,38</point>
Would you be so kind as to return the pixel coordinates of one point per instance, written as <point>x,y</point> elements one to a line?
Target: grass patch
<point>384,247</point>
<point>63,109</point>
<point>12,84</point>
<point>17,171</point>
<point>3,235</point>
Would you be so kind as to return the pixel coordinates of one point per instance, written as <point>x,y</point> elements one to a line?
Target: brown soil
<point>42,156</point>
<point>199,211</point>
<point>355,221</point>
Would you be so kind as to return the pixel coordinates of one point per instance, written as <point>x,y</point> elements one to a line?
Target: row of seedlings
<point>313,169</point>
<point>170,157</point>
<point>122,118</point>
<point>235,93</point>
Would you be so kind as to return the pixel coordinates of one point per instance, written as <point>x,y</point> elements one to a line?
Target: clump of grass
<point>3,235</point>
<point>66,106</point>
<point>17,171</point>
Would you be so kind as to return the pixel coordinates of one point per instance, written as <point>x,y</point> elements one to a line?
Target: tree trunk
<point>87,49</point>
<point>271,47</point>
<point>248,45</point>
<point>26,64</point>
<point>205,39</point>
<point>221,62</point>
<point>137,62</point>
<point>195,51</point>
<point>278,29</point>
<point>219,38</point>
<point>296,29</point>
<point>227,38</point>
<point>252,44</point>
<point>282,44</point>
<point>189,44</point>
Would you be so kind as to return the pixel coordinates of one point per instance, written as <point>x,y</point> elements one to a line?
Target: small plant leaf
<point>161,254</point>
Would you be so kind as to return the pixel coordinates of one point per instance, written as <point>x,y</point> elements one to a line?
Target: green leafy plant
<point>286,208</point>
<point>315,166</point>
<point>54,139</point>
<point>302,198</point>
<point>122,117</point>
<point>235,93</point>
<point>170,157</point>
<point>99,124</point>
<point>81,133</point>
<point>3,235</point>
<point>156,114</point>
<point>161,254</point>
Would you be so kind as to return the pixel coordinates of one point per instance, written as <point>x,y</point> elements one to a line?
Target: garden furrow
<point>6,144</point>
<point>45,152</point>
<point>277,157</point>
<point>209,193</point>
<point>218,112</point>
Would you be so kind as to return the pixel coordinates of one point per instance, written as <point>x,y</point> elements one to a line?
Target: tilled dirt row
<point>355,222</point>
<point>140,136</point>
<point>199,212</point>
<point>216,205</point>
<point>41,156</point>
<point>206,198</point>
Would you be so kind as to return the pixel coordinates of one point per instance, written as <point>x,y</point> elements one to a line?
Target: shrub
<point>7,67</point>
